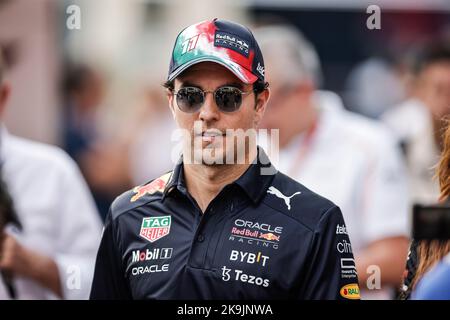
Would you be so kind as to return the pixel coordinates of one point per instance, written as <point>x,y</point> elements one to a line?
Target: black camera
<point>431,222</point>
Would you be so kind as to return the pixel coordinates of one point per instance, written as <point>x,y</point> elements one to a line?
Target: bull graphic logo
<point>157,185</point>
<point>269,236</point>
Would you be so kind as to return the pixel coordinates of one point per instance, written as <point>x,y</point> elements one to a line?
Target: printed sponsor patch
<point>239,275</point>
<point>154,228</point>
<point>350,291</point>
<point>157,185</point>
<point>230,41</point>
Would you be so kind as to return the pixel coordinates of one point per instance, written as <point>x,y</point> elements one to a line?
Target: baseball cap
<point>224,42</point>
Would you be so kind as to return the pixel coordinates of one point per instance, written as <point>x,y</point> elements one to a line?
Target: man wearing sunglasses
<point>224,224</point>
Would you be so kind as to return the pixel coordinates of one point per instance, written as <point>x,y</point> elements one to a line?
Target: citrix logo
<point>344,247</point>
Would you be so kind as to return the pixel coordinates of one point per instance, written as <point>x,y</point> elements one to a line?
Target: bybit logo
<point>248,257</point>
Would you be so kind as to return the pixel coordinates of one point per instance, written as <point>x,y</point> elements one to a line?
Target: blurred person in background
<point>150,137</point>
<point>418,122</point>
<point>349,159</point>
<point>83,95</point>
<point>425,254</point>
<point>53,255</point>
<point>374,85</point>
<point>103,163</point>
<point>427,273</point>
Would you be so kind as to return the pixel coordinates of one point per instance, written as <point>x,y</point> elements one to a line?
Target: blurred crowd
<point>374,158</point>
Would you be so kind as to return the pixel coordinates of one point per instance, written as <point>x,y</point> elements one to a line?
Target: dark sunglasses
<point>191,99</point>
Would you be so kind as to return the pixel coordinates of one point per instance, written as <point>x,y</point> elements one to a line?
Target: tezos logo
<point>239,275</point>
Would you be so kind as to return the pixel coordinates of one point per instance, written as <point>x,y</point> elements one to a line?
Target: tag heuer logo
<point>155,228</point>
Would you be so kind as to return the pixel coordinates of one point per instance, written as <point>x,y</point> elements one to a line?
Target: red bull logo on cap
<point>157,185</point>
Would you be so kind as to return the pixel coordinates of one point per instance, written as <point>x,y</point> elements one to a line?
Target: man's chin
<point>211,156</point>
<point>214,155</point>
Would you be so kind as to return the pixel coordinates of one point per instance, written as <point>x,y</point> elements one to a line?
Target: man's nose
<point>209,112</point>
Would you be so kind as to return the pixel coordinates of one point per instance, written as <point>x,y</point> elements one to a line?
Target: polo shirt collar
<point>254,181</point>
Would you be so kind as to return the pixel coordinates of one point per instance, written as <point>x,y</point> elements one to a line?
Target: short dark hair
<point>437,51</point>
<point>75,78</point>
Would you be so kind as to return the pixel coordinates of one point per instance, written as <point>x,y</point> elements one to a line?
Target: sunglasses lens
<point>228,99</point>
<point>189,99</point>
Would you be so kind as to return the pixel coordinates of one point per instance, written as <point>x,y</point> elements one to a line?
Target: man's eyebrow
<point>228,84</point>
<point>233,84</point>
<point>190,84</point>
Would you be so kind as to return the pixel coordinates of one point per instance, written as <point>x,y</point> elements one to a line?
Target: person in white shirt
<point>345,157</point>
<point>421,149</point>
<point>53,256</point>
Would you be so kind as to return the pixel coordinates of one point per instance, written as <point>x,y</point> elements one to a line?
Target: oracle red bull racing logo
<point>157,185</point>
<point>265,235</point>
<point>154,228</point>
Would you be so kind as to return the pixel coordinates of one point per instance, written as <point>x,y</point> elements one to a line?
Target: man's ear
<point>5,91</point>
<point>260,107</point>
<point>170,99</point>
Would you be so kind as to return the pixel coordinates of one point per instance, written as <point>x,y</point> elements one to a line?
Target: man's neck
<point>204,182</point>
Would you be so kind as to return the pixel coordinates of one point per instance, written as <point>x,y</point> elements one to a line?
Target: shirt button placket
<point>200,238</point>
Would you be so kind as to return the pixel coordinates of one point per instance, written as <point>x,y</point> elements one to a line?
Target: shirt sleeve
<point>78,235</point>
<point>109,278</point>
<point>435,284</point>
<point>386,196</point>
<point>331,273</point>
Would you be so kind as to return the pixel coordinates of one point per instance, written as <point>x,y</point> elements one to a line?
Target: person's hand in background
<point>15,259</point>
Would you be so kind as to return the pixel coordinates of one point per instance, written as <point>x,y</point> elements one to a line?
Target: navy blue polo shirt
<point>264,236</point>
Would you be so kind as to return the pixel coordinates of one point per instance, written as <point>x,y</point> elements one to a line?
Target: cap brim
<point>243,74</point>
